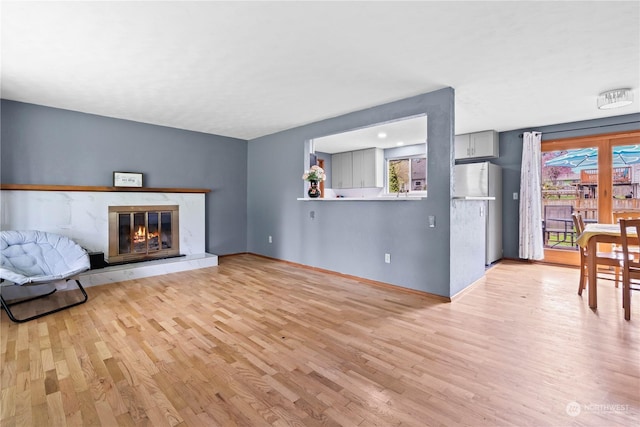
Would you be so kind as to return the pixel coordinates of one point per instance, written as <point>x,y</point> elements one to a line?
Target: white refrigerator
<point>484,179</point>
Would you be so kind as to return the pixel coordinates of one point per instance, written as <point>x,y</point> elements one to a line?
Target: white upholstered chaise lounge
<point>30,258</point>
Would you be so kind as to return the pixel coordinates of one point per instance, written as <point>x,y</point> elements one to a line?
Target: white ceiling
<point>392,134</point>
<point>247,69</point>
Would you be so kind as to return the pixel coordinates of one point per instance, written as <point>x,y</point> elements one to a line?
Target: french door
<point>595,176</point>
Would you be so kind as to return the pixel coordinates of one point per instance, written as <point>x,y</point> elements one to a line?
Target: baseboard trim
<point>364,280</point>
<point>466,290</point>
<point>234,254</point>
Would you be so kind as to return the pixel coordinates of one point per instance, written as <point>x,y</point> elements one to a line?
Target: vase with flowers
<point>314,175</point>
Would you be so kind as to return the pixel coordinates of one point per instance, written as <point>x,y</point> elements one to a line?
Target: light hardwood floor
<point>259,342</point>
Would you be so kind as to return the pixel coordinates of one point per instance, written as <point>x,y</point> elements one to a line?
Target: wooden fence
<point>588,207</point>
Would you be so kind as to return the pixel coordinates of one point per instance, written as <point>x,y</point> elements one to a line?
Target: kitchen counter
<point>364,199</point>
<point>473,198</point>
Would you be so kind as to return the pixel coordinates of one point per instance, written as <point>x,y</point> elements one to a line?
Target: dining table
<point>593,234</point>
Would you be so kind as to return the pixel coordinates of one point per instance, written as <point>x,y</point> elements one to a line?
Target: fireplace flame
<point>140,235</point>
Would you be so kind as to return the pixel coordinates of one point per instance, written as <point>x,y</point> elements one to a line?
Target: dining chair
<point>617,216</point>
<point>611,259</point>
<point>630,265</point>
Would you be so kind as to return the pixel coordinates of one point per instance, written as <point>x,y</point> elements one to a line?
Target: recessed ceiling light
<point>615,98</point>
<point>382,135</point>
<point>399,143</point>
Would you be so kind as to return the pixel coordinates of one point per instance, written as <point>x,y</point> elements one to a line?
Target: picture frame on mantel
<point>127,179</point>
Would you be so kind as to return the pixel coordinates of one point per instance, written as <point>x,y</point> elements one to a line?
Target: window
<point>407,175</point>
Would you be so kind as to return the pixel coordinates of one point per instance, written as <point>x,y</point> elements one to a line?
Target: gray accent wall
<point>352,237</point>
<point>42,145</point>
<point>511,161</point>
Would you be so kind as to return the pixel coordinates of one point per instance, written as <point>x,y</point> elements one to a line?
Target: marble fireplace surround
<point>81,213</point>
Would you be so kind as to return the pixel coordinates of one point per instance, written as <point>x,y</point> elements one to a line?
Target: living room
<point>254,181</point>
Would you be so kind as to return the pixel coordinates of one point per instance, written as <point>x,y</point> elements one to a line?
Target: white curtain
<point>531,245</point>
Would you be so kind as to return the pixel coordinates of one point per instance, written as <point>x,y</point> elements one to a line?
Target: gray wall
<point>511,159</point>
<point>42,145</point>
<point>409,150</point>
<point>352,237</point>
<point>468,234</point>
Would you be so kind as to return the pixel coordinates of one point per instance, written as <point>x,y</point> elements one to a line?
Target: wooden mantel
<point>39,187</point>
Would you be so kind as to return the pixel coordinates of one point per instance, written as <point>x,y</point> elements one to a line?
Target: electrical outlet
<point>387,258</point>
<point>270,239</point>
<point>515,196</point>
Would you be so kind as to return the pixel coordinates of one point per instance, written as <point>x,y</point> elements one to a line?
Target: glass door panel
<point>124,233</point>
<point>569,184</point>
<point>625,166</point>
<point>139,232</point>
<point>166,230</point>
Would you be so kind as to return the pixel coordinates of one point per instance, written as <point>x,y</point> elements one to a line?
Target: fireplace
<point>138,233</point>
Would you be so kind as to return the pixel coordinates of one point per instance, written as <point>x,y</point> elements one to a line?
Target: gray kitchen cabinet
<point>477,145</point>
<point>368,168</point>
<point>342,170</point>
<point>358,169</point>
